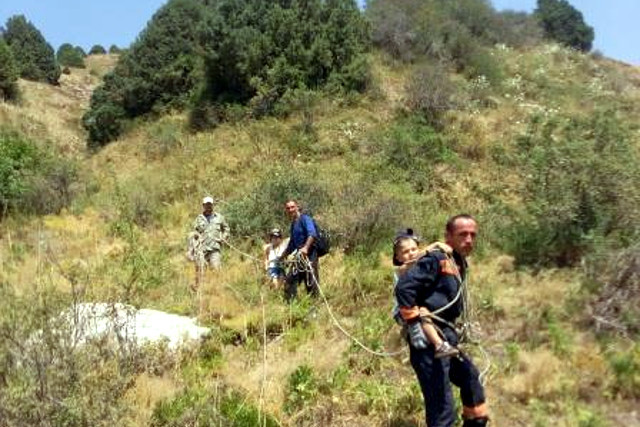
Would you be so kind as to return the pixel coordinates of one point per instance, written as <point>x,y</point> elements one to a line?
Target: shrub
<point>34,57</point>
<point>47,378</point>
<point>200,407</point>
<point>33,180</point>
<point>97,49</point>
<point>156,73</point>
<point>579,186</point>
<point>413,148</point>
<point>113,49</point>
<point>430,94</point>
<point>262,208</point>
<point>302,387</point>
<point>438,29</point>
<point>18,160</point>
<point>256,52</point>
<point>8,74</point>
<point>565,24</point>
<point>69,56</point>
<point>626,369</point>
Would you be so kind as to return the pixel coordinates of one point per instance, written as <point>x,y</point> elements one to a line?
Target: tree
<point>157,72</point>
<point>97,49</point>
<point>113,49</point>
<point>260,52</point>
<point>69,56</point>
<point>565,24</point>
<point>8,73</point>
<point>34,57</point>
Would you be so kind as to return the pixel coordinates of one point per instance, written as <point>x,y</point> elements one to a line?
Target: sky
<point>107,22</point>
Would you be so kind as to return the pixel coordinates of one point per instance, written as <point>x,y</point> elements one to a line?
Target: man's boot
<point>475,422</point>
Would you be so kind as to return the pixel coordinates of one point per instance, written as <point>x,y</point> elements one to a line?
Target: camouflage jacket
<point>212,231</point>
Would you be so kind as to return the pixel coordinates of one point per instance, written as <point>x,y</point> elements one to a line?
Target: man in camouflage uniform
<point>211,229</point>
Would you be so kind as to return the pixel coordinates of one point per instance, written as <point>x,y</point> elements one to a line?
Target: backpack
<point>322,244</point>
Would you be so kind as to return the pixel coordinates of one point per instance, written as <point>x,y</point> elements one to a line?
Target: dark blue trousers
<point>435,377</point>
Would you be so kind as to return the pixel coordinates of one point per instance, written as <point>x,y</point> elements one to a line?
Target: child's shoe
<point>446,350</point>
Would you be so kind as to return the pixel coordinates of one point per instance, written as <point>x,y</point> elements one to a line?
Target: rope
<point>251,257</point>
<point>309,270</point>
<point>302,264</point>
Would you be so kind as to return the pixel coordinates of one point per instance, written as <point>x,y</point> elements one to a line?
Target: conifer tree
<point>8,73</point>
<point>97,49</point>
<point>69,56</point>
<point>34,57</point>
<point>157,72</point>
<point>565,24</point>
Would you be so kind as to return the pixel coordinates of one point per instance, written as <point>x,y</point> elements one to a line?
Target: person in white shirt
<point>272,252</point>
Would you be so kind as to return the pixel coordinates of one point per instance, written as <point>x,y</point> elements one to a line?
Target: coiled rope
<point>302,264</point>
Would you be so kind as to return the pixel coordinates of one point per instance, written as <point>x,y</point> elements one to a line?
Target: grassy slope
<point>546,368</point>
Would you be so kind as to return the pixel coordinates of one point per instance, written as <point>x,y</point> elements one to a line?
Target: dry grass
<point>146,393</point>
<point>225,162</point>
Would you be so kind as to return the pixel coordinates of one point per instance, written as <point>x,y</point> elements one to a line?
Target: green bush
<point>626,369</point>
<point>200,407</point>
<point>302,388</point>
<point>70,56</point>
<point>255,52</point>
<point>8,74</point>
<point>34,57</point>
<point>565,24</point>
<point>33,180</point>
<point>413,148</point>
<point>263,207</point>
<point>113,49</point>
<point>579,185</point>
<point>19,161</point>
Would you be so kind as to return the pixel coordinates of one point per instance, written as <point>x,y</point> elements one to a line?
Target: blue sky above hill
<point>86,23</point>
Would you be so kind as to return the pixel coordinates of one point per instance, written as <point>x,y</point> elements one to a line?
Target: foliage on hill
<point>446,30</point>
<point>156,73</point>
<point>32,180</point>
<point>260,52</point>
<point>8,73</point>
<point>580,184</point>
<point>70,56</point>
<point>97,49</point>
<point>565,24</point>
<point>34,57</point>
<point>254,52</point>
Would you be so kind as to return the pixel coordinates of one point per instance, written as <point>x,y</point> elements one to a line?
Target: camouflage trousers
<point>211,258</point>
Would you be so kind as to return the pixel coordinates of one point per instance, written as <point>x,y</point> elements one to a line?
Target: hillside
<point>123,239</point>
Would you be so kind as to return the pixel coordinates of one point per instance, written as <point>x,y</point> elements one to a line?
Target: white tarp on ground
<point>95,320</point>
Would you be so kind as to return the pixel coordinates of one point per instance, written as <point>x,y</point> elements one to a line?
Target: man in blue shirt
<point>303,234</point>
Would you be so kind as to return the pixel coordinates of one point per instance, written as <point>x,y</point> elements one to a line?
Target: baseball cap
<point>207,199</point>
<point>275,232</point>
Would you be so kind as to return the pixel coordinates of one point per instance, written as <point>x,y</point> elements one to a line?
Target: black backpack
<point>322,244</point>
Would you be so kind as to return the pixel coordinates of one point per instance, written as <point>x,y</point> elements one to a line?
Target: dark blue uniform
<point>433,283</point>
